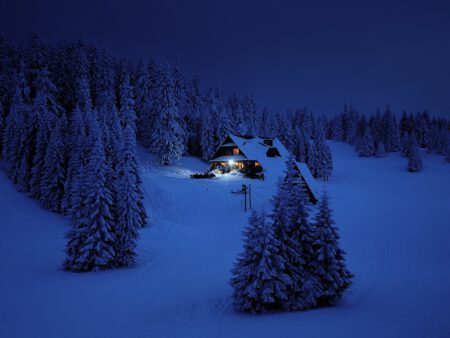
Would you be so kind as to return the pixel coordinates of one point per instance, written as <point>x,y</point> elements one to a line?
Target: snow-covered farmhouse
<point>255,156</point>
<point>248,154</point>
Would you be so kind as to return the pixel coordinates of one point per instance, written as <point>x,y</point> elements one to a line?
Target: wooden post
<point>250,196</point>
<point>245,198</point>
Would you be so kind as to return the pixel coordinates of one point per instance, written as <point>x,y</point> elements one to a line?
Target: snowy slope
<point>394,227</point>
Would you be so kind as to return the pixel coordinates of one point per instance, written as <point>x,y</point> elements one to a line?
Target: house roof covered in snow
<point>255,149</point>
<point>308,178</point>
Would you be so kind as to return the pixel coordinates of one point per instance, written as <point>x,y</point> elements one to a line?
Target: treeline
<point>377,134</point>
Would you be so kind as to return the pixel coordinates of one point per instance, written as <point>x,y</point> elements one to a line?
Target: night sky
<point>288,53</point>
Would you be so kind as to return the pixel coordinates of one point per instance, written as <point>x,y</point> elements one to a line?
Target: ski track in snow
<point>394,226</point>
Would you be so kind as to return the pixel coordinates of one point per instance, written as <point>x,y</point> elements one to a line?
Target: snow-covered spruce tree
<point>380,152</point>
<point>306,288</point>
<point>447,156</point>
<point>128,119</point>
<point>221,118</point>
<point>195,109</point>
<point>234,109</point>
<point>414,161</point>
<point>43,116</point>
<point>311,160</point>
<point>16,150</point>
<point>128,205</point>
<point>366,147</point>
<point>329,261</point>
<point>259,280</point>
<point>143,103</point>
<point>405,145</point>
<point>390,130</point>
<point>2,127</point>
<point>208,139</point>
<point>286,218</point>
<point>53,172</point>
<point>77,150</point>
<point>324,162</point>
<point>181,99</point>
<point>91,241</point>
<point>168,135</point>
<point>127,113</point>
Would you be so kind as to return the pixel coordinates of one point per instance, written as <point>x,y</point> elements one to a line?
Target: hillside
<point>394,227</point>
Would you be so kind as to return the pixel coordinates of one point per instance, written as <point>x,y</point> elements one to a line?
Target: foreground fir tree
<point>329,261</point>
<point>414,162</point>
<point>307,288</point>
<point>295,237</point>
<point>259,280</point>
<point>91,242</point>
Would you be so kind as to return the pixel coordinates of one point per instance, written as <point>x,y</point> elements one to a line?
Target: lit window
<point>235,151</point>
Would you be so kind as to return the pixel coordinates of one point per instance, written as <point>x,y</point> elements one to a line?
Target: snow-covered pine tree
<point>2,128</point>
<point>91,241</point>
<point>311,160</point>
<point>77,149</point>
<point>195,110</point>
<point>53,172</point>
<point>207,133</point>
<point>380,152</point>
<point>447,155</point>
<point>306,288</point>
<point>324,162</point>
<point>181,99</point>
<point>405,145</point>
<point>82,88</point>
<point>76,146</point>
<point>390,129</point>
<point>127,113</point>
<point>329,261</point>
<point>143,103</point>
<point>249,109</point>
<point>128,117</point>
<point>234,109</point>
<point>221,118</point>
<point>128,210</point>
<point>366,147</point>
<point>337,131</point>
<point>292,231</point>
<point>297,144</point>
<point>414,162</point>
<point>16,150</point>
<point>285,130</point>
<point>43,116</point>
<point>168,136</point>
<point>259,280</point>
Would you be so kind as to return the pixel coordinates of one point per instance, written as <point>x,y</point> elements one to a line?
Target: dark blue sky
<point>288,53</point>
